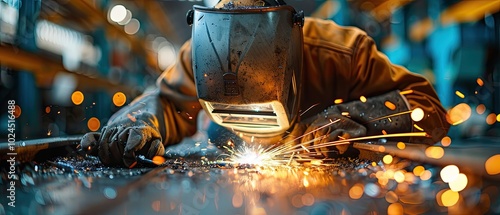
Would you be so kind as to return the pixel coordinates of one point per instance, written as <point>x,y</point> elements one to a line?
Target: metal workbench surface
<point>196,183</point>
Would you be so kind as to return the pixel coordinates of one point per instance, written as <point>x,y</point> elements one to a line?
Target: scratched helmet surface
<point>247,62</point>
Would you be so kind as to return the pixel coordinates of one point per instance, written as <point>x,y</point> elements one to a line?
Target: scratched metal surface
<point>76,184</point>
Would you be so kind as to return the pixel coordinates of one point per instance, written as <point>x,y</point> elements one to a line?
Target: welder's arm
<point>391,93</point>
<point>152,121</point>
<point>373,75</point>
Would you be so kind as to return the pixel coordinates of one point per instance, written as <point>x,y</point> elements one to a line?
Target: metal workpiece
<point>38,149</point>
<point>203,182</point>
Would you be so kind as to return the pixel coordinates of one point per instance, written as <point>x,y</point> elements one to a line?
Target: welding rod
<point>61,165</point>
<point>147,162</point>
<point>27,150</point>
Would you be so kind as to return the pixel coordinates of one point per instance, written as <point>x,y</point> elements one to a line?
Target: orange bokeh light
<point>307,199</point>
<point>395,209</point>
<point>297,201</point>
<point>77,97</point>
<point>387,159</point>
<point>458,114</point>
<point>446,141</point>
<point>119,99</point>
<point>418,170</point>
<point>93,124</point>
<point>426,175</point>
<point>435,152</point>
<point>480,109</point>
<point>17,111</point>
<point>449,198</point>
<point>381,148</point>
<point>356,191</point>
<point>491,119</point>
<point>401,145</point>
<point>491,165</point>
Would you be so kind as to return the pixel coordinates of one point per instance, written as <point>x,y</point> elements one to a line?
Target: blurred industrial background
<point>70,64</point>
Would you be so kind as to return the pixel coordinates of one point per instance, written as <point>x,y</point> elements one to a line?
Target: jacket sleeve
<point>373,74</point>
<point>178,97</point>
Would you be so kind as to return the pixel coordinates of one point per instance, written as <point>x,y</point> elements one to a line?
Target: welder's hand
<point>127,135</point>
<point>324,134</point>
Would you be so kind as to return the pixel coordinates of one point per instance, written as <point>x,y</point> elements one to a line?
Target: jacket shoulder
<point>328,34</point>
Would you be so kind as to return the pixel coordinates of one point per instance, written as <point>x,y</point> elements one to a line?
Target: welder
<point>264,72</point>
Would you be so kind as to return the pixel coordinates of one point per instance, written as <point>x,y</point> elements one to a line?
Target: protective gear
<point>387,113</point>
<point>132,131</point>
<point>247,64</point>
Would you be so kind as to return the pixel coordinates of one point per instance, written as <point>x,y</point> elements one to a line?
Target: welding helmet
<point>247,63</point>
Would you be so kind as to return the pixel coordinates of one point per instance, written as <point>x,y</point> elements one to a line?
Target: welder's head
<point>247,62</point>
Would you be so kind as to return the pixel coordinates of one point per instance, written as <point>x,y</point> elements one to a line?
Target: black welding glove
<point>375,116</point>
<point>132,131</point>
<point>322,130</point>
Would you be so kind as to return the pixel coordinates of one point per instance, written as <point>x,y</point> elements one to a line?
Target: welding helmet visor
<point>247,64</point>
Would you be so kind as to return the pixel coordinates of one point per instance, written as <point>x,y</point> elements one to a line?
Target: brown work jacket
<point>339,63</point>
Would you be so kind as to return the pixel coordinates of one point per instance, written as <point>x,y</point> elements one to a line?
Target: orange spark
<point>132,118</point>
<point>480,82</point>
<point>389,116</point>
<point>406,92</point>
<point>390,105</point>
<point>347,141</point>
<point>362,98</point>
<point>418,127</point>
